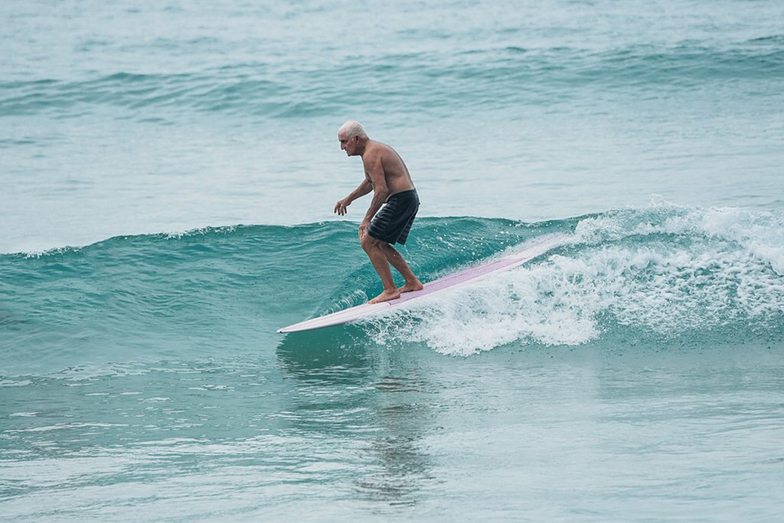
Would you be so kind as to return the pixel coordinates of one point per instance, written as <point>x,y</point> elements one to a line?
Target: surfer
<point>392,210</point>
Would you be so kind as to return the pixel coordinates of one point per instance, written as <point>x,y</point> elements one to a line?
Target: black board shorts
<point>393,221</point>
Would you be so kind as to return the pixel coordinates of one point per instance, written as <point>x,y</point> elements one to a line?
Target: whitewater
<point>168,177</point>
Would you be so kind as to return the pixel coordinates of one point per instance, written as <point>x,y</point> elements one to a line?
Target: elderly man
<point>391,212</point>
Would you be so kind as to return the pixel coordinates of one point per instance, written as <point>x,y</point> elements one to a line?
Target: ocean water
<point>169,171</point>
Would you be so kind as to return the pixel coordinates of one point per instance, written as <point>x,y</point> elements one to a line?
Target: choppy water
<point>168,177</point>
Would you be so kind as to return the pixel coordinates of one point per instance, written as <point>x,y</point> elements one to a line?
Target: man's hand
<point>341,207</point>
<point>363,227</point>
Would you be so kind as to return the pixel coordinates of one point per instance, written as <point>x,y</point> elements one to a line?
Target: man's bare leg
<point>377,257</point>
<point>399,263</point>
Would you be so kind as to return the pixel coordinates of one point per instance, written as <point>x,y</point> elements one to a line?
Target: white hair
<point>352,128</point>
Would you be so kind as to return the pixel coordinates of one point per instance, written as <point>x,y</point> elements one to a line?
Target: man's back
<point>396,173</point>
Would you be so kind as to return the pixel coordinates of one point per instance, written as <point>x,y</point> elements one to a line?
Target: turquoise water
<point>169,174</point>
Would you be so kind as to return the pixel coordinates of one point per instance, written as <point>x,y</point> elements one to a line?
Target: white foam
<point>759,232</point>
<point>717,270</point>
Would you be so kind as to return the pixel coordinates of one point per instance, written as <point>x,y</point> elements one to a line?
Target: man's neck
<point>363,147</point>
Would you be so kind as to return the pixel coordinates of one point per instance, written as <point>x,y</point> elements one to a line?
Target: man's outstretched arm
<point>342,206</point>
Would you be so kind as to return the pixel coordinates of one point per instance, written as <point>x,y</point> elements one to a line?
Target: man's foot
<point>411,287</point>
<point>386,296</point>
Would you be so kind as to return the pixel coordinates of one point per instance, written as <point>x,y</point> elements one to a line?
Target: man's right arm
<point>359,192</point>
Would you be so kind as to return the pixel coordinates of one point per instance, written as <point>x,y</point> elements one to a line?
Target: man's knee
<point>369,243</point>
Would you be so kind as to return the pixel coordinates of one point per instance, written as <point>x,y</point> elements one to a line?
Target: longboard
<point>531,249</point>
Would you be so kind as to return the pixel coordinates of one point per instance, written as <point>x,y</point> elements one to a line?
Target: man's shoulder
<point>373,150</point>
<point>381,149</point>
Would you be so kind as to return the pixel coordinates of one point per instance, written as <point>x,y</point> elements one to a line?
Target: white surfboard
<point>530,249</point>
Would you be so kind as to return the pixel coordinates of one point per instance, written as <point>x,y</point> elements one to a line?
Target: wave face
<point>663,273</point>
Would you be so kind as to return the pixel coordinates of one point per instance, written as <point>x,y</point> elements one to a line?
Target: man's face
<point>348,144</point>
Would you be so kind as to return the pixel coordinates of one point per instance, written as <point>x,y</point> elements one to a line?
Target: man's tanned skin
<point>385,175</point>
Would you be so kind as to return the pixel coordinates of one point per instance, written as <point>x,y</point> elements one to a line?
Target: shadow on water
<point>401,466</point>
<point>304,354</point>
<point>350,389</point>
